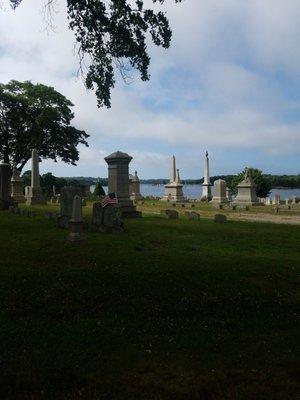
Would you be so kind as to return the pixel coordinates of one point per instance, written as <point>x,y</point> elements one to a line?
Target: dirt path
<point>260,217</point>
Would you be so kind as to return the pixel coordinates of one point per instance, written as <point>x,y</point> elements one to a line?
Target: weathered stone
<point>219,192</point>
<point>17,187</point>
<point>173,189</point>
<point>172,214</point>
<point>49,215</point>
<point>97,216</point>
<point>5,175</point>
<point>35,195</point>
<point>134,187</point>
<point>66,204</point>
<point>194,216</point>
<point>276,199</point>
<point>220,218</point>
<point>76,223</point>
<point>107,219</point>
<point>246,191</point>
<point>118,183</point>
<point>206,186</point>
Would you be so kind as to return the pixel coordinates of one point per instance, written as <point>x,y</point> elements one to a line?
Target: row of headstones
<point>22,211</point>
<point>192,215</point>
<point>277,200</point>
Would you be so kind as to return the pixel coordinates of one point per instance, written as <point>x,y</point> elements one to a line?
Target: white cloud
<point>224,84</point>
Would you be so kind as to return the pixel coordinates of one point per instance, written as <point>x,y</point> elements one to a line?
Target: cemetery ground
<point>171,309</point>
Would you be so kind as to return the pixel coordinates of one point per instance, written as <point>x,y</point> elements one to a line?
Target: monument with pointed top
<point>173,189</point>
<point>206,186</point>
<point>246,194</point>
<point>35,195</point>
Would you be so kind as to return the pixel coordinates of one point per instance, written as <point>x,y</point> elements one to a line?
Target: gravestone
<point>17,187</point>
<point>107,219</point>
<point>173,189</point>
<point>268,201</point>
<point>76,223</point>
<point>5,175</point>
<point>172,214</point>
<point>134,187</point>
<point>229,195</point>
<point>192,215</point>
<point>66,204</point>
<point>118,182</point>
<point>246,194</point>
<point>35,195</point>
<point>219,192</point>
<point>276,199</point>
<point>220,218</point>
<point>206,186</point>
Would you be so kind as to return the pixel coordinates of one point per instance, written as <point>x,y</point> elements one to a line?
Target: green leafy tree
<point>36,116</point>
<point>112,35</point>
<point>99,191</point>
<point>263,184</point>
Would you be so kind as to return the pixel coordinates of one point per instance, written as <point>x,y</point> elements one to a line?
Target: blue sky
<point>230,83</point>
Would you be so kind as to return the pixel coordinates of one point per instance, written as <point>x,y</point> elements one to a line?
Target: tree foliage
<point>99,191</point>
<point>263,184</point>
<point>112,34</point>
<point>36,116</point>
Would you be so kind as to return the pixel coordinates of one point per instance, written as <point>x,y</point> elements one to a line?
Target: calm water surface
<point>195,191</point>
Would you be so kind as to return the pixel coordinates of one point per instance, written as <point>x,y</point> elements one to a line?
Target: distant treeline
<point>287,181</point>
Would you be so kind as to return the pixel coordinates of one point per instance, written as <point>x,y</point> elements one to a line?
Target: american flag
<point>109,199</point>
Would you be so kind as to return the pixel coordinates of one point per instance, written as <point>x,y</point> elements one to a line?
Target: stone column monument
<point>173,189</point>
<point>206,186</point>
<point>220,192</point>
<point>5,175</point>
<point>118,182</point>
<point>246,194</point>
<point>17,187</point>
<point>35,195</point>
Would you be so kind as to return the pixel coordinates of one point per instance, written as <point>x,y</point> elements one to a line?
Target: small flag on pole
<point>109,199</point>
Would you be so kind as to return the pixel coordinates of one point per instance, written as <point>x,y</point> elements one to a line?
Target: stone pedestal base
<point>35,197</point>
<point>76,235</point>
<point>128,209</point>
<point>174,194</point>
<point>219,200</point>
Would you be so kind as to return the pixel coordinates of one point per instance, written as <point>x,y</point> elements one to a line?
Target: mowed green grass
<point>168,310</point>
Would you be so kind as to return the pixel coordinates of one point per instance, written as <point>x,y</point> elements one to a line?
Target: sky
<point>229,84</point>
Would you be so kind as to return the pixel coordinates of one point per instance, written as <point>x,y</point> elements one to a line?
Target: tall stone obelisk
<point>35,195</point>
<point>206,186</point>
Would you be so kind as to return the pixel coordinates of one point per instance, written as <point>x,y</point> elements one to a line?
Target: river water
<point>195,191</point>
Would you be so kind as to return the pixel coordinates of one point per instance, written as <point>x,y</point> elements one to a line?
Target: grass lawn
<point>169,310</point>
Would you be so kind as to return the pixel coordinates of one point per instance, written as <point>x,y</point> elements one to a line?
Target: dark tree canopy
<point>113,34</point>
<point>36,116</point>
<point>263,183</point>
